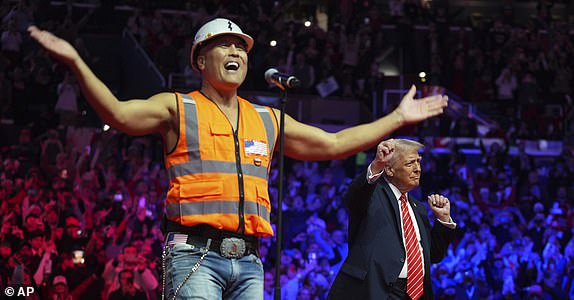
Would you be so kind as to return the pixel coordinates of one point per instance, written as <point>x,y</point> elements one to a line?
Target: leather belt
<point>225,243</point>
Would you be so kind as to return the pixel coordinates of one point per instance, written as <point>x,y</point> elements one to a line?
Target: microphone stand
<point>279,235</point>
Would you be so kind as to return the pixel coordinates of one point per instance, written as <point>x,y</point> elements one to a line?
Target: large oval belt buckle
<point>232,248</point>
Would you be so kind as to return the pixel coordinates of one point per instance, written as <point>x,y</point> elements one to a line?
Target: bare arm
<point>135,117</point>
<point>306,142</point>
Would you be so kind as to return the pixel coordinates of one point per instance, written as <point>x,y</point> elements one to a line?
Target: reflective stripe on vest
<point>203,172</point>
<point>213,166</point>
<point>217,207</point>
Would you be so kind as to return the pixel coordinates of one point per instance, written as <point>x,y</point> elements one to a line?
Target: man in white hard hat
<point>218,154</point>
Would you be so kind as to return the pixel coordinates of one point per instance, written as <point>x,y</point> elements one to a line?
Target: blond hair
<point>403,145</point>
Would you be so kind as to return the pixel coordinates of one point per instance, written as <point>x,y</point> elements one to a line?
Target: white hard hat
<point>214,28</point>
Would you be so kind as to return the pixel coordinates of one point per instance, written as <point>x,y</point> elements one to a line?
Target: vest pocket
<point>262,193</point>
<point>220,128</point>
<point>223,143</point>
<point>199,188</point>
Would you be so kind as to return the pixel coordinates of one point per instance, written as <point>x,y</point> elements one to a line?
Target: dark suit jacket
<point>376,250</point>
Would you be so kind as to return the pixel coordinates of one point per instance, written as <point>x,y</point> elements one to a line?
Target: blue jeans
<point>216,278</point>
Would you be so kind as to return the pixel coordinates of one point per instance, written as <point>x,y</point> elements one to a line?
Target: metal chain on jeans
<point>204,250</point>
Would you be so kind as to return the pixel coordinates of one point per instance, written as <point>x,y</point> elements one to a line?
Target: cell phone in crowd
<point>78,256</point>
<point>311,257</point>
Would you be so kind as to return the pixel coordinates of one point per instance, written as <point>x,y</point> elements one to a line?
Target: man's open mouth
<point>232,66</point>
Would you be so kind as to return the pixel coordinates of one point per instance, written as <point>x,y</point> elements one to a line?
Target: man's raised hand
<point>415,110</point>
<point>57,47</point>
<point>385,151</point>
<point>440,206</point>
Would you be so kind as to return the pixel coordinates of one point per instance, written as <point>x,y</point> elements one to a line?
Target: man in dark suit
<point>391,241</point>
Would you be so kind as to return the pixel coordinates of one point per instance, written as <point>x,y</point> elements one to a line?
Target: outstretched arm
<point>306,142</point>
<point>136,117</point>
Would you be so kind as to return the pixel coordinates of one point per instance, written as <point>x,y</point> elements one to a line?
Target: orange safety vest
<point>217,176</point>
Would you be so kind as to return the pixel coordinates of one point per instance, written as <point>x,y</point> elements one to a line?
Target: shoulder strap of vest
<point>187,99</point>
<point>268,121</point>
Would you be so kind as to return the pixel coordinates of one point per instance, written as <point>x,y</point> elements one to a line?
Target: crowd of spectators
<point>80,208</point>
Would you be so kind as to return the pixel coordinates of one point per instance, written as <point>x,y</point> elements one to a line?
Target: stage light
<point>423,76</point>
<point>273,43</point>
<point>106,127</point>
<point>307,23</point>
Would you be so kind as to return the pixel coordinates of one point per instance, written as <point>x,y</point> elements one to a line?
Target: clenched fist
<point>440,206</point>
<point>385,151</point>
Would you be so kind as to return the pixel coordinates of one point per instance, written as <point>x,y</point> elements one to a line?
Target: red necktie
<point>414,258</point>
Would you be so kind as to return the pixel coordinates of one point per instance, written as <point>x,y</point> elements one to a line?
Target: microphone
<point>283,81</point>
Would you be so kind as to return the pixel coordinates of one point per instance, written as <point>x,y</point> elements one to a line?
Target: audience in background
<point>102,220</point>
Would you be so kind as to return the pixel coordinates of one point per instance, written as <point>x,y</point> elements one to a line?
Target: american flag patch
<point>253,147</point>
<point>177,238</point>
